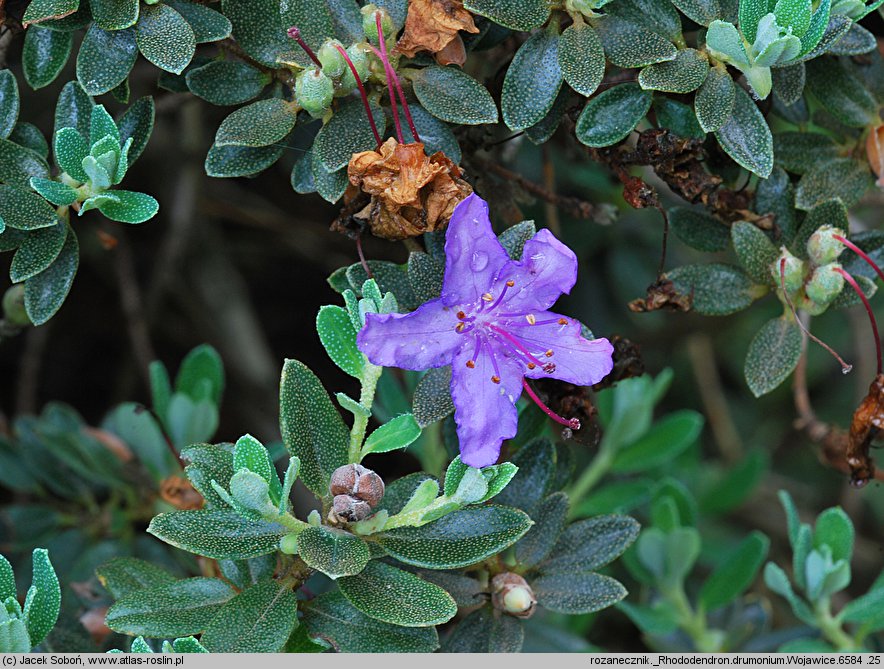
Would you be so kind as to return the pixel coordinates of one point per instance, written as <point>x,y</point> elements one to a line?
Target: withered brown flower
<point>433,25</point>
<point>411,193</point>
<point>865,426</point>
<point>875,152</point>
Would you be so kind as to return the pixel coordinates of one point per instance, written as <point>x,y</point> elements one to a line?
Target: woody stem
<point>862,296</point>
<point>362,93</point>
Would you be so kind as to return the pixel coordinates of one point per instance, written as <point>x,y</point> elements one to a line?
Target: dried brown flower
<point>433,25</point>
<point>662,295</point>
<point>865,426</point>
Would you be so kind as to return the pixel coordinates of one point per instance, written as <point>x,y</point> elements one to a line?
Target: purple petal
<point>579,361</point>
<point>547,269</point>
<point>473,254</point>
<point>423,339</point>
<point>485,412</point>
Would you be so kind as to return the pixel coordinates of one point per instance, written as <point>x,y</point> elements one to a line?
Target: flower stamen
<point>573,423</point>
<point>532,319</point>
<point>874,323</point>
<point>506,286</point>
<point>548,367</point>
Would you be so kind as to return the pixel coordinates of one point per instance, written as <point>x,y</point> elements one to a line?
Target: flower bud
<point>289,544</point>
<point>822,247</point>
<point>360,61</point>
<point>511,594</point>
<point>314,92</point>
<point>350,509</point>
<point>358,482</point>
<point>14,306</point>
<point>370,26</point>
<point>333,63</point>
<point>793,271</point>
<point>825,284</point>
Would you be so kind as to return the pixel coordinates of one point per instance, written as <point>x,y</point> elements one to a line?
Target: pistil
<point>874,323</point>
<point>363,95</point>
<point>547,367</point>
<point>573,423</point>
<point>862,254</point>
<point>295,33</point>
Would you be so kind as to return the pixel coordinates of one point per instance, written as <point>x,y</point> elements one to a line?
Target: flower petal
<point>473,254</point>
<point>547,269</point>
<point>419,340</point>
<point>484,411</point>
<point>580,361</point>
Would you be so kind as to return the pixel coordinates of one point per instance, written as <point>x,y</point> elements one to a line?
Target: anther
<point>549,367</point>
<point>461,315</point>
<point>549,353</point>
<point>471,364</point>
<point>531,365</point>
<point>488,297</point>
<point>460,327</point>
<point>510,283</point>
<point>531,319</point>
<point>563,321</point>
<point>495,379</point>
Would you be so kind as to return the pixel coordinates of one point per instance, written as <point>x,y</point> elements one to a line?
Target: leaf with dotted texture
<point>589,544</point>
<point>44,55</point>
<point>227,82</point>
<point>105,59</point>
<point>453,96</point>
<point>698,229</point>
<point>717,289</point>
<point>129,207</point>
<point>240,161</point>
<point>41,609</point>
<point>581,58</point>
<point>332,618</point>
<point>514,14</point>
<point>755,251</point>
<point>9,103</point>
<point>484,632</point>
<point>845,178</point>
<point>432,397</point>
<point>18,164</point>
<point>684,74</point>
<point>207,24</point>
<point>334,552</point>
<point>577,593</point>
<point>397,433</point>
<point>261,123</point>
<point>311,427</point>
<point>114,14</point>
<point>532,81</point>
<point>258,28</point>
<point>773,354</point>
<point>217,533</point>
<point>549,521</point>
<point>38,250</point>
<point>24,210</point>
<point>629,45</point>
<point>258,620</point>
<point>123,575</point>
<point>45,10</point>
<point>714,102</point>
<point>165,38</point>
<point>209,463</point>
<point>346,133</point>
<point>746,137</point>
<point>393,596</point>
<point>177,609</point>
<point>14,637</point>
<point>537,465</point>
<point>610,116</point>
<point>458,539</point>
<point>30,137</point>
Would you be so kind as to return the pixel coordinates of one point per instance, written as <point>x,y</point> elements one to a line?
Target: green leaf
<point>677,117</point>
<point>38,250</point>
<point>24,210</point>
<point>334,552</point>
<point>398,433</point>
<point>187,645</point>
<point>250,454</point>
<point>347,132</point>
<point>41,611</point>
<point>532,81</point>
<point>746,136</point>
<point>18,165</point>
<point>735,573</point>
<point>775,195</point>
<point>834,529</point>
<point>589,544</point>
<point>207,24</point>
<point>449,94</point>
<point>258,29</point>
<point>536,462</point>
<point>773,354</point>
<point>165,38</point>
<point>435,134</point>
<point>73,109</point>
<point>484,632</point>
<point>312,428</point>
<point>240,161</point>
<point>754,250</point>
<point>259,124</point>
<point>201,375</point>
<point>137,124</point>
<point>9,103</point>
<point>124,575</point>
<point>698,229</point>
<point>867,609</point>
<point>549,521</point>
<point>14,637</point>
<point>209,463</point>
<point>7,580</point>
<point>686,73</point>
<point>314,19</point>
<point>217,533</point>
<point>841,92</point>
<point>393,596</point>
<point>775,579</point>
<point>332,618</point>
<point>29,136</point>
<point>432,397</point>
<point>736,484</point>
<point>177,609</point>
<point>55,192</point>
<point>702,12</point>
<point>43,10</point>
<point>105,59</point>
<point>856,42</point>
<point>612,114</point>
<point>659,17</point>
<point>44,55</point>
<point>129,207</point>
<point>628,45</point>
<point>226,82</point>
<point>514,14</point>
<point>656,619</point>
<point>751,12</point>
<point>45,292</point>
<point>543,131</point>
<point>799,152</point>
<point>114,14</point>
<point>329,185</point>
<point>257,620</point>
<point>339,339</point>
<point>458,539</point>
<point>425,275</point>
<point>581,58</point>
<point>664,442</point>
<point>847,179</point>
<point>788,83</point>
<point>577,593</point>
<point>717,289</point>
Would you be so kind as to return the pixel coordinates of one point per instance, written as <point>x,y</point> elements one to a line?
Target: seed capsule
<point>511,594</point>
<point>358,482</point>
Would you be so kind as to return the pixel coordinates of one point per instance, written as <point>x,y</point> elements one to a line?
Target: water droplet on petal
<point>479,261</point>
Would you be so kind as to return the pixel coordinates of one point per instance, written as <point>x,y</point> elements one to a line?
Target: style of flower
<point>492,325</point>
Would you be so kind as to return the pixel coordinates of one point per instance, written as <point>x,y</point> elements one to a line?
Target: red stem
<point>845,368</point>
<point>862,296</point>
<point>573,423</point>
<point>862,254</point>
<point>388,70</point>
<point>396,83</point>
<point>295,33</point>
<point>362,93</point>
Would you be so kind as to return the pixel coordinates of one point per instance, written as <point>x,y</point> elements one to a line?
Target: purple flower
<point>492,325</point>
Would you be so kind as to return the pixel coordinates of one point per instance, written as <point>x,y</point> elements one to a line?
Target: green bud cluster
<point>316,87</point>
<point>812,284</point>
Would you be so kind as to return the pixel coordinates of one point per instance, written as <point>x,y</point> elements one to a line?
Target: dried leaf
<point>432,25</point>
<point>865,426</point>
<point>178,492</point>
<point>875,152</point>
<point>410,193</point>
<point>662,295</point>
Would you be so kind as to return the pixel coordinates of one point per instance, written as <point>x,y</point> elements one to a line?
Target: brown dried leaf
<point>875,152</point>
<point>662,295</point>
<point>432,25</point>
<point>865,426</point>
<point>410,193</point>
<point>178,492</point>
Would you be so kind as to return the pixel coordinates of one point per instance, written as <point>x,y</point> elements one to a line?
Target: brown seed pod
<point>349,509</point>
<point>358,482</point>
<point>511,594</point>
